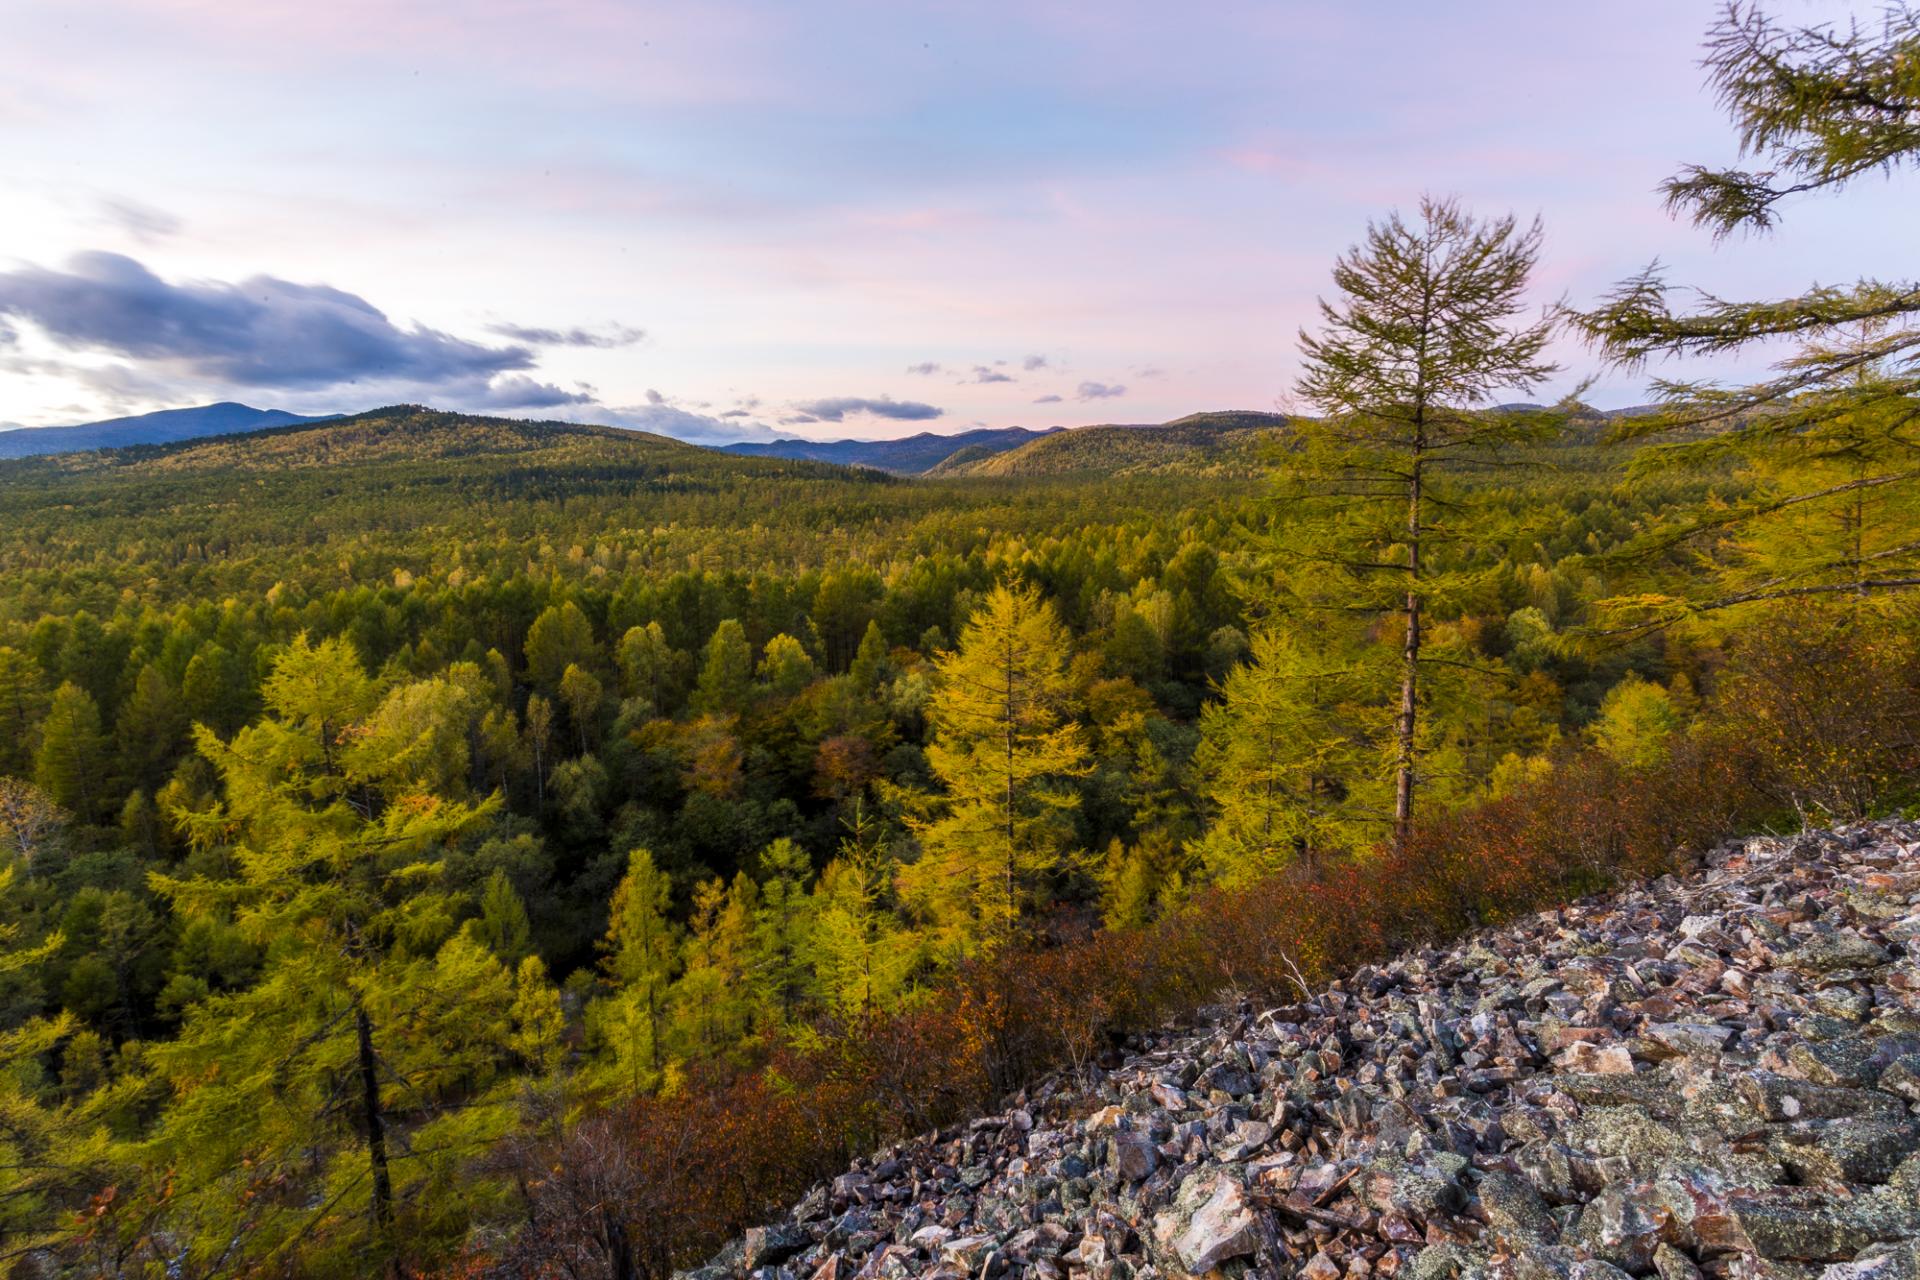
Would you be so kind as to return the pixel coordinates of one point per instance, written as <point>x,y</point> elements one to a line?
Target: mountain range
<point>164,427</point>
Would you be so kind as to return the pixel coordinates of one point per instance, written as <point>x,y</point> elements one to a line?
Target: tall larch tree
<point>331,836</point>
<point>1827,444</point>
<point>1006,752</point>
<point>1424,332</point>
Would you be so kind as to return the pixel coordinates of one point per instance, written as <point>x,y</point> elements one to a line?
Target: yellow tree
<point>326,851</point>
<point>1006,752</point>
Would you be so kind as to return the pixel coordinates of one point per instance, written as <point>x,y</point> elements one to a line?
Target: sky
<point>742,219</point>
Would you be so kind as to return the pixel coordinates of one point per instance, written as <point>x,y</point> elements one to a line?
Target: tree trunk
<point>1409,673</point>
<point>376,1125</point>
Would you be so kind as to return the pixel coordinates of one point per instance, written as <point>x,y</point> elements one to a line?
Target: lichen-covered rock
<point>1706,1078</point>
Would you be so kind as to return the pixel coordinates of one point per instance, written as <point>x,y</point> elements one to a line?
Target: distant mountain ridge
<point>1224,442</point>
<point>911,455</point>
<point>166,426</point>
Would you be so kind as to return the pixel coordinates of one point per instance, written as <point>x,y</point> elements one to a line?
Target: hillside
<point>411,491</point>
<point>164,427</point>
<point>912,455</point>
<point>1711,1075</point>
<point>1226,443</point>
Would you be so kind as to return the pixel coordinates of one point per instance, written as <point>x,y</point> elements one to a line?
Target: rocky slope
<point>1712,1076</point>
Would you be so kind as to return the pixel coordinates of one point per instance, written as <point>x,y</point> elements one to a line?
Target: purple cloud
<point>836,408</point>
<point>1099,391</point>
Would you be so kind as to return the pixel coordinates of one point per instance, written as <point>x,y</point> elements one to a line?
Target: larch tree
<point>726,670</point>
<point>1426,330</point>
<point>72,755</point>
<point>782,920</point>
<point>1827,445</point>
<point>640,953</point>
<point>1006,752</point>
<point>331,838</point>
<point>1284,754</point>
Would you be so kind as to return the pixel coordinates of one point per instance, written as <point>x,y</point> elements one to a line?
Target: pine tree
<point>648,666</point>
<point>785,666</point>
<point>713,1002</point>
<point>502,925</point>
<point>1006,752</point>
<point>21,702</point>
<point>559,638</point>
<point>1636,719</point>
<point>860,956</point>
<point>149,730</point>
<point>1409,358</point>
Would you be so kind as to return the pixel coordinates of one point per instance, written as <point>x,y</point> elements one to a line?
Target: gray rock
<point>1210,1222</point>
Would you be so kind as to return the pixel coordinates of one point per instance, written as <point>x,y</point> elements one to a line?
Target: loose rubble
<point>1704,1078</point>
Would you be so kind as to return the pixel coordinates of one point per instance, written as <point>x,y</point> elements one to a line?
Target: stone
<point>1623,1225</point>
<point>1515,1212</point>
<point>1134,1156</point>
<point>1210,1222</point>
<point>770,1246</point>
<point>1829,950</point>
<point>1691,1037</point>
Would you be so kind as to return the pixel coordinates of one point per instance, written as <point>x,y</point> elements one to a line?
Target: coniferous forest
<point>434,844</point>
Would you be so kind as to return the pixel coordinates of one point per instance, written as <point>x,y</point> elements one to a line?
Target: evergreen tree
<point>648,666</point>
<point>780,928</point>
<point>1006,753</point>
<point>149,730</point>
<point>1421,338</point>
<point>860,956</point>
<point>1636,719</point>
<point>502,925</point>
<point>785,666</point>
<point>20,710</point>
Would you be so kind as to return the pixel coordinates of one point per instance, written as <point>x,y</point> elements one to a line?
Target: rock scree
<point>1706,1076</point>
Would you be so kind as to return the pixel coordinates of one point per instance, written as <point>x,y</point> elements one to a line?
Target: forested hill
<point>910,456</point>
<point>164,427</point>
<point>1210,443</point>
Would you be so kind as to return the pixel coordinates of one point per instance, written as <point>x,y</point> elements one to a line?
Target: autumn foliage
<point>651,1183</point>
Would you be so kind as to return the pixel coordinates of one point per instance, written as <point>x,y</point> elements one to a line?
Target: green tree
<point>1006,753</point>
<point>502,925</point>
<point>1286,754</point>
<point>726,672</point>
<point>1421,338</point>
<point>21,701</point>
<point>649,666</point>
<point>330,852</point>
<point>1636,719</point>
<point>1826,442</point>
<point>786,666</point>
<point>780,927</point>
<point>639,955</point>
<point>561,637</point>
<point>73,753</point>
<point>150,730</point>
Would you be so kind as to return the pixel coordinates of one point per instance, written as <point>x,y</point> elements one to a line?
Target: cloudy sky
<point>827,219</point>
